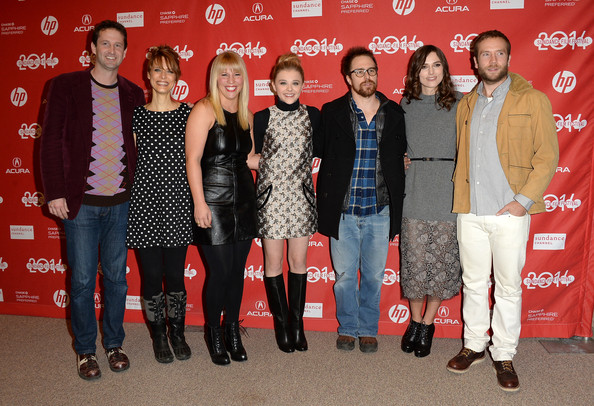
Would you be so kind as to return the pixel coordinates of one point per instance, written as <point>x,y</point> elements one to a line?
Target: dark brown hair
<point>155,55</point>
<point>445,96</point>
<point>352,53</point>
<point>104,25</point>
<point>489,34</point>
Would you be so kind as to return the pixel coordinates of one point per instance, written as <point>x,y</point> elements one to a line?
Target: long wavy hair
<point>232,60</point>
<point>445,96</point>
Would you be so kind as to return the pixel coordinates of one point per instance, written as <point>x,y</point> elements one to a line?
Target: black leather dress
<point>228,184</point>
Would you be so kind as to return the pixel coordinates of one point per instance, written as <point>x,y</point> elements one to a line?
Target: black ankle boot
<point>155,313</point>
<point>410,337</point>
<point>233,342</point>
<point>277,301</point>
<point>176,303</point>
<point>216,346</point>
<point>423,347</point>
<point>297,286</point>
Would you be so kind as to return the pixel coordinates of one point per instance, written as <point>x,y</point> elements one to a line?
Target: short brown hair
<point>352,53</point>
<point>489,34</point>
<point>154,55</point>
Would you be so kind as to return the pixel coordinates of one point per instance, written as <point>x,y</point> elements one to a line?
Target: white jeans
<point>500,241</point>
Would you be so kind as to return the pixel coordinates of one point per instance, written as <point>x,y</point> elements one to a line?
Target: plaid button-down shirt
<point>362,201</point>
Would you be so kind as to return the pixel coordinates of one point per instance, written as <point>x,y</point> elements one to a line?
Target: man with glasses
<point>360,190</point>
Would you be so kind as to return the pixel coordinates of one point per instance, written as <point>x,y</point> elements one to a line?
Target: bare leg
<point>416,309</point>
<point>273,257</point>
<point>433,304</point>
<point>297,256</point>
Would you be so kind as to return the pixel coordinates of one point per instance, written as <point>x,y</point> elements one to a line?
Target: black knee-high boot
<point>155,313</point>
<point>277,301</point>
<point>176,311</point>
<point>297,287</point>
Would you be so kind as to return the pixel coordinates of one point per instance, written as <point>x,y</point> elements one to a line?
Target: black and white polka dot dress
<point>160,212</point>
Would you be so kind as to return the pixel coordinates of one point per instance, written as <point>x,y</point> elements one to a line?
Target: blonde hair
<point>288,61</point>
<point>234,62</point>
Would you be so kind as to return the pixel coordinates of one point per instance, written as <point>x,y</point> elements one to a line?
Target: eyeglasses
<point>361,72</point>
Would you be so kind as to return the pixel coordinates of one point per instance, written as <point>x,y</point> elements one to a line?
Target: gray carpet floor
<point>37,367</point>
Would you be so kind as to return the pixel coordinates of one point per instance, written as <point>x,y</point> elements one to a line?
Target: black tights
<point>157,262</point>
<point>224,286</point>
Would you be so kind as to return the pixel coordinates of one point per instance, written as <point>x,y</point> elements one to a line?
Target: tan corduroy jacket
<point>526,141</point>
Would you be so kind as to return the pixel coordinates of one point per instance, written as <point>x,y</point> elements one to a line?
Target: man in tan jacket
<point>507,153</point>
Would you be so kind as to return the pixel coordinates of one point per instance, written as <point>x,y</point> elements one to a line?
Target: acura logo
<point>16,162</point>
<point>443,312</point>
<point>257,8</point>
<point>260,305</point>
<point>87,19</point>
<point>451,2</point>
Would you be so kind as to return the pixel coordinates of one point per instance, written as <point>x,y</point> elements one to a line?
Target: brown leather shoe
<point>465,358</point>
<point>118,360</point>
<point>87,366</point>
<point>368,344</point>
<point>506,376</point>
<point>346,343</point>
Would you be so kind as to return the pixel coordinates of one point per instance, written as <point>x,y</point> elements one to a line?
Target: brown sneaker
<point>368,344</point>
<point>118,360</point>
<point>465,358</point>
<point>346,343</point>
<point>506,376</point>
<point>87,366</point>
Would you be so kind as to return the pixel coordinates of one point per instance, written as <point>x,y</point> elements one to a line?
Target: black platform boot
<point>410,337</point>
<point>233,341</point>
<point>297,287</point>
<point>277,301</point>
<point>155,313</point>
<point>216,346</point>
<point>176,312</point>
<point>423,347</point>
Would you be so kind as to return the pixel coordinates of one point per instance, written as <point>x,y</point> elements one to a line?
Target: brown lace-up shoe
<point>465,358</point>
<point>87,366</point>
<point>506,376</point>
<point>118,360</point>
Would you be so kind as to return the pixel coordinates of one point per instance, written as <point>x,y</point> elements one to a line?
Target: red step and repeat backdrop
<point>551,47</point>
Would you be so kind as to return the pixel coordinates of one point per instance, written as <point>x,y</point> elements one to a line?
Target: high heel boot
<point>233,341</point>
<point>176,312</point>
<point>423,347</point>
<point>277,301</point>
<point>216,346</point>
<point>297,287</point>
<point>410,337</point>
<point>155,313</point>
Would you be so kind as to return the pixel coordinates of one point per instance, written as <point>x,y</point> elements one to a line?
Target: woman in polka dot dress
<point>160,215</point>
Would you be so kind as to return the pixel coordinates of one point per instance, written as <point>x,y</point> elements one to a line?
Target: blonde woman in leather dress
<point>219,146</point>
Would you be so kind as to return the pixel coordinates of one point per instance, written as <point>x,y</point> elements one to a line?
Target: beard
<point>492,78</point>
<point>366,92</point>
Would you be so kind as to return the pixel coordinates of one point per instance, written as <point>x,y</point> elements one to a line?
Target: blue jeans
<point>97,230</point>
<point>362,245</point>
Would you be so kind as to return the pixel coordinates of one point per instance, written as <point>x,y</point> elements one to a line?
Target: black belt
<point>432,159</point>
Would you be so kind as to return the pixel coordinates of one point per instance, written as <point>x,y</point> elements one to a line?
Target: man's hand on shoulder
<point>59,208</point>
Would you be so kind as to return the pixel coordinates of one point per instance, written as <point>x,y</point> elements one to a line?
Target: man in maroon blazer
<point>88,158</point>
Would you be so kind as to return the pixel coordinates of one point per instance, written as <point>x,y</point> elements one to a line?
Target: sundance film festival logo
<point>180,91</point>
<point>559,40</point>
<point>35,199</point>
<point>49,25</point>
<point>391,44</point>
<point>570,123</point>
<point>18,97</point>
<point>546,279</point>
<point>85,58</point>
<point>564,81</point>
<point>552,202</point>
<point>403,7</point>
<point>30,131</point>
<point>185,53</point>
<point>312,47</point>
<point>61,298</point>
<point>43,265</point>
<point>190,272</point>
<point>215,14</point>
<point>461,43</point>
<point>248,49</point>
<point>3,265</point>
<point>34,61</point>
<point>390,277</point>
<point>399,314</point>
<point>253,273</point>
